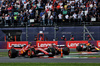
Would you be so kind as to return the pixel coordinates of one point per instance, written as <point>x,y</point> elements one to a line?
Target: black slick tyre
<point>12,53</point>
<point>52,50</point>
<point>66,51</point>
<point>78,48</point>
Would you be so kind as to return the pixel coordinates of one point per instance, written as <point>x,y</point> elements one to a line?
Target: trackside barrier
<point>3,45</point>
<point>74,44</point>
<point>16,44</point>
<point>44,44</point>
<point>93,42</point>
<point>98,44</point>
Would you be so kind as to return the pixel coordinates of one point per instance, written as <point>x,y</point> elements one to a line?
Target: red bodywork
<point>27,47</point>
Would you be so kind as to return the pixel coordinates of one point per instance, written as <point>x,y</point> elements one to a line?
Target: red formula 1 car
<point>31,51</point>
<point>58,48</point>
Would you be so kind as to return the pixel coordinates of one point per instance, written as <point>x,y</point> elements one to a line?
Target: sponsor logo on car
<point>45,44</point>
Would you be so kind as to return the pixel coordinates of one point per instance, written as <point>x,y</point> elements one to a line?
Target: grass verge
<point>89,56</point>
<point>3,54</point>
<point>49,64</point>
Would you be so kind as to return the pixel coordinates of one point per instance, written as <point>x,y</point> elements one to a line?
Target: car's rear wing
<point>61,45</point>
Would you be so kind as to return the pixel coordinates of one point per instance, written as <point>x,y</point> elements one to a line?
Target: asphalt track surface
<point>48,60</point>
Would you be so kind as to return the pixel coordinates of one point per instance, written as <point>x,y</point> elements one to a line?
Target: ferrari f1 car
<point>32,51</point>
<point>58,48</point>
<point>87,47</point>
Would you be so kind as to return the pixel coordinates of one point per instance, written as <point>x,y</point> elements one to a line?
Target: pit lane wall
<point>76,31</point>
<point>3,45</point>
<point>44,44</point>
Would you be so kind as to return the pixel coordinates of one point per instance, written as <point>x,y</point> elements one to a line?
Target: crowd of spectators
<point>48,12</point>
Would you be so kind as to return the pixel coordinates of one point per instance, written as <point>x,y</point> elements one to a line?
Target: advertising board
<point>16,45</point>
<point>98,44</point>
<point>45,44</point>
<point>74,44</point>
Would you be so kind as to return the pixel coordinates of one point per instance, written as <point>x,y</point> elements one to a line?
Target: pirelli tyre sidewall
<point>52,50</point>
<point>12,53</point>
<point>57,52</point>
<point>79,48</point>
<point>31,52</point>
<point>66,51</point>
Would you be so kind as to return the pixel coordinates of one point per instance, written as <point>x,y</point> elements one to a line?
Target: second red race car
<point>58,48</point>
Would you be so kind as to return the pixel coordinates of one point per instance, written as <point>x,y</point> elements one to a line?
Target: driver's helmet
<point>52,44</point>
<point>88,44</point>
<point>63,35</point>
<point>30,43</point>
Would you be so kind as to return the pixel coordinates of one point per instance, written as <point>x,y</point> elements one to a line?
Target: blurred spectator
<point>41,38</point>
<point>46,12</point>
<point>15,20</point>
<point>46,39</point>
<point>75,18</point>
<point>71,38</point>
<point>67,18</point>
<point>60,18</point>
<point>79,18</point>
<point>51,19</point>
<point>88,37</point>
<point>43,19</point>
<point>63,38</point>
<point>35,39</point>
<point>3,19</point>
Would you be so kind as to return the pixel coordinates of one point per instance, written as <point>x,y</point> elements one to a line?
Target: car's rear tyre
<point>57,52</point>
<point>31,52</point>
<point>66,51</point>
<point>12,53</point>
<point>78,48</point>
<point>52,50</point>
<point>88,48</point>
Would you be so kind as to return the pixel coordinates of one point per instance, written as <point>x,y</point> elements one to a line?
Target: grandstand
<point>47,12</point>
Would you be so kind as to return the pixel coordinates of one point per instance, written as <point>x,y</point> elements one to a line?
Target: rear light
<point>21,51</point>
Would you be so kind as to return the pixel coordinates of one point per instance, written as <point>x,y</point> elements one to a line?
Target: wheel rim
<point>9,53</point>
<point>29,53</point>
<point>32,53</point>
